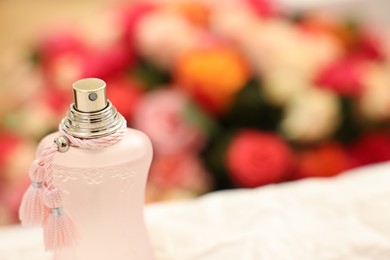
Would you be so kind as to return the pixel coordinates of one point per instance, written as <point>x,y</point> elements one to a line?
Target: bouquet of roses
<point>232,94</point>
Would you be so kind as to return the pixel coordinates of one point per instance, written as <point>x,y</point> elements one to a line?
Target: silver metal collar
<point>92,124</point>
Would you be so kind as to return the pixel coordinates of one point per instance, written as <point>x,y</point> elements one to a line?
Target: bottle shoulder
<point>134,146</point>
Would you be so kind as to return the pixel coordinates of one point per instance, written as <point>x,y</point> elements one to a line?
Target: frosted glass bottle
<point>104,195</point>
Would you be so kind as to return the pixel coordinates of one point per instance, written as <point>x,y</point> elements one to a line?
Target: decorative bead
<point>36,185</point>
<point>56,211</point>
<point>63,143</point>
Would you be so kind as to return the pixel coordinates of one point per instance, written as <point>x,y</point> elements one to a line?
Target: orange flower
<point>212,76</point>
<point>196,13</point>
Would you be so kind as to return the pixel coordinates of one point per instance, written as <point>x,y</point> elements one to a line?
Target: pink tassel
<point>59,229</point>
<point>32,209</point>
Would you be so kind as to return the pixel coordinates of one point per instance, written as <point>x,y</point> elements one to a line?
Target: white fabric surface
<point>344,218</point>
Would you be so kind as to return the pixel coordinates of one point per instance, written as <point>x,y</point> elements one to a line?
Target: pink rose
<point>161,115</point>
<point>177,176</point>
<point>256,158</point>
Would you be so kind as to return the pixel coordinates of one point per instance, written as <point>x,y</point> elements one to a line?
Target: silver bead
<point>56,211</point>
<point>63,143</point>
<point>36,185</point>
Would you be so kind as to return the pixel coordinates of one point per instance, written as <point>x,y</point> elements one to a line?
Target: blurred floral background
<point>233,94</point>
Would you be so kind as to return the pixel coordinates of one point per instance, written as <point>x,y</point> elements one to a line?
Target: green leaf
<point>151,76</point>
<point>198,118</point>
<point>251,110</point>
<point>214,156</point>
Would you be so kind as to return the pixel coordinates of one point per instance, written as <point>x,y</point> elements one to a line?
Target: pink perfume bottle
<point>103,189</point>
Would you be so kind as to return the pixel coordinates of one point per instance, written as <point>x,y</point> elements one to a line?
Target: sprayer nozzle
<point>90,95</point>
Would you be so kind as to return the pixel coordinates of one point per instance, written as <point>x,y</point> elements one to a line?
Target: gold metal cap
<point>90,95</point>
<point>91,115</point>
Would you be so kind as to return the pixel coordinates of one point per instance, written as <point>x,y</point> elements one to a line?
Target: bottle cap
<point>90,95</point>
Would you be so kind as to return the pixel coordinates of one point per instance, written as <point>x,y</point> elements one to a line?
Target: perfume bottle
<point>103,189</point>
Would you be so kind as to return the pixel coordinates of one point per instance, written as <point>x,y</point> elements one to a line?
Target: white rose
<point>162,36</point>
<point>286,57</point>
<point>375,100</point>
<point>34,120</point>
<point>270,44</point>
<point>311,116</point>
<point>278,43</point>
<point>280,85</point>
<point>234,23</point>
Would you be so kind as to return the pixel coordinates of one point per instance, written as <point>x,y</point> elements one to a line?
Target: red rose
<point>324,161</point>
<point>11,195</point>
<point>370,46</point>
<point>129,18</point>
<point>58,43</point>
<point>256,158</point>
<point>264,8</point>
<point>56,100</point>
<point>16,154</point>
<point>65,59</point>
<point>8,144</point>
<point>343,76</point>
<point>124,95</point>
<point>372,147</point>
<point>60,54</point>
<point>107,63</point>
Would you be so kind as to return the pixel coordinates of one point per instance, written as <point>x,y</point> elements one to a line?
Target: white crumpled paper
<point>344,218</point>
